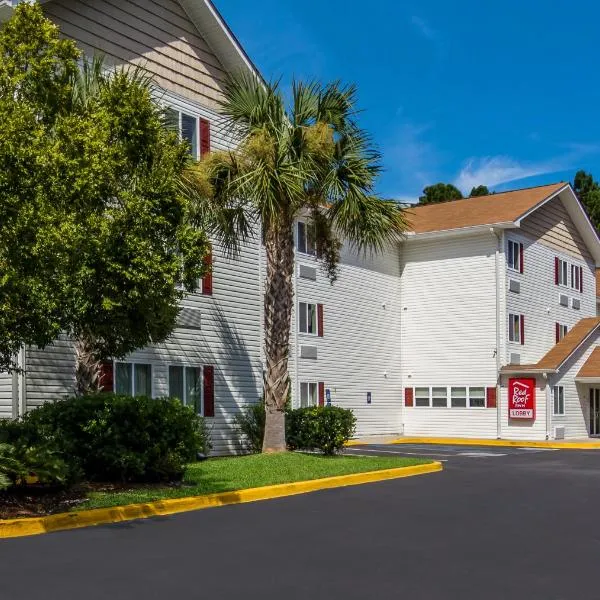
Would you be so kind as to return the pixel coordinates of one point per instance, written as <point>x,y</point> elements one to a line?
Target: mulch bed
<point>39,500</point>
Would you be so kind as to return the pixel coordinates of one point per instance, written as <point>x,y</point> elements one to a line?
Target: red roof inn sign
<point>521,399</point>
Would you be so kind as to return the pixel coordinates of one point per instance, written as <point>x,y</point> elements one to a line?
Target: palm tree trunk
<point>87,367</point>
<point>279,296</point>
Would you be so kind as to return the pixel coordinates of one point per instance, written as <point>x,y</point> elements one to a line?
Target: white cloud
<point>423,27</point>
<point>494,170</point>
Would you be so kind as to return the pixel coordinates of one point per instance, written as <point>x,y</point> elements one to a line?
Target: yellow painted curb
<point>499,443</point>
<point>101,516</point>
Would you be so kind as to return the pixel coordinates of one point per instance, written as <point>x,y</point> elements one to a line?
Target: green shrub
<point>18,463</point>
<point>109,437</point>
<point>324,428</point>
<point>251,423</point>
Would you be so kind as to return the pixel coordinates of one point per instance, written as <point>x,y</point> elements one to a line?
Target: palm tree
<point>309,157</point>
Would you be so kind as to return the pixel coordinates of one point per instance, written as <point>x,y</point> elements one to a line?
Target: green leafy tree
<point>94,231</point>
<point>306,158</point>
<point>440,192</point>
<point>588,191</point>
<point>480,190</point>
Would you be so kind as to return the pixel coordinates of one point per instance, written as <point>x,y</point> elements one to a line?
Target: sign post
<point>521,398</point>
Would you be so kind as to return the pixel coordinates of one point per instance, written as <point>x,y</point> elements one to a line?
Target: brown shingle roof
<point>561,351</point>
<point>505,207</point>
<point>591,367</point>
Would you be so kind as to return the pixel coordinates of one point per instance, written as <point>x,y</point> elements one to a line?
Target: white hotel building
<point>483,295</point>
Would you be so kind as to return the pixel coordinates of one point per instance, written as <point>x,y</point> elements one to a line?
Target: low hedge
<point>325,428</point>
<point>108,437</point>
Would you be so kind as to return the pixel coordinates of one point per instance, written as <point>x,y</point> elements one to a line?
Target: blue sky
<point>505,94</point>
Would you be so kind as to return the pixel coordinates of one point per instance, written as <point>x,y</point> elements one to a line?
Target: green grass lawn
<point>236,473</point>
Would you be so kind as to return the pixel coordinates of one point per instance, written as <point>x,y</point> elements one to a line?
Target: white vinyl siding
<point>6,395</point>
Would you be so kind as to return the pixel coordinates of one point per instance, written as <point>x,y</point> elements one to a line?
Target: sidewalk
<point>575,444</point>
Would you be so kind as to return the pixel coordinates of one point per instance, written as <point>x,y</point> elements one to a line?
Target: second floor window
<point>305,242</point>
<point>563,272</point>
<point>561,331</point>
<point>516,328</point>
<point>187,127</point>
<point>515,256</point>
<point>307,318</point>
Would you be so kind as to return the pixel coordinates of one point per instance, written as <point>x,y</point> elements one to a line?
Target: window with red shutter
<point>106,379</point>
<point>556,269</point>
<point>207,280</point>
<point>209,390</point>
<point>321,393</point>
<point>522,330</point>
<point>408,397</point>
<point>320,320</point>
<point>521,259</point>
<point>490,394</point>
<point>204,137</point>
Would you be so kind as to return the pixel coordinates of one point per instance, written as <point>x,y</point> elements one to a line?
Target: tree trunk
<point>87,367</point>
<point>279,296</point>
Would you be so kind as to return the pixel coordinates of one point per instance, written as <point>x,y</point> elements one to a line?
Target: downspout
<point>499,238</point>
<point>22,381</point>
<point>548,407</point>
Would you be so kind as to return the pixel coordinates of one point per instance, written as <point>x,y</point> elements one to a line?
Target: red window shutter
<point>520,258</point>
<point>581,279</point>
<point>490,394</point>
<point>207,280</point>
<point>408,396</point>
<point>204,137</point>
<point>557,329</point>
<point>106,379</point>
<point>522,329</point>
<point>320,319</point>
<point>556,270</point>
<point>209,391</point>
<point>321,393</point>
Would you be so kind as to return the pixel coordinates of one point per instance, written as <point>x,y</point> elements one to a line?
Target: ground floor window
<point>134,379</point>
<point>558,398</point>
<point>308,394</point>
<point>185,383</point>
<point>449,397</point>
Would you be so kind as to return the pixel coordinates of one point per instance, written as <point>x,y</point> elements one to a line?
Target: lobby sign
<point>521,398</point>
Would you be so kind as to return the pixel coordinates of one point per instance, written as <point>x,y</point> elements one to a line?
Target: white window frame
<point>448,389</point>
<point>516,252</point>
<point>189,366</point>
<point>316,328</point>
<point>306,226</point>
<point>562,331</point>
<point>574,277</point>
<point>309,384</point>
<point>133,363</point>
<point>511,331</point>
<point>561,398</point>
<point>563,272</point>
<point>180,114</point>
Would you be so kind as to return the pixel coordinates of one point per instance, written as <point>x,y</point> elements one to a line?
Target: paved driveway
<point>519,524</point>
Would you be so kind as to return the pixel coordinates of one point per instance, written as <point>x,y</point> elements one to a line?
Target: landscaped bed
<point>207,477</point>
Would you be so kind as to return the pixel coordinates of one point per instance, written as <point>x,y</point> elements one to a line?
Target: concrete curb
<point>101,516</point>
<point>556,445</point>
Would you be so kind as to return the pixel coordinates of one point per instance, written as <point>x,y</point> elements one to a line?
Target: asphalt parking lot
<point>495,524</point>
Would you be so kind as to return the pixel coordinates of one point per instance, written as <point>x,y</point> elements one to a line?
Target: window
<point>458,397</point>
<point>308,394</point>
<point>575,277</point>
<point>558,397</point>
<point>477,397</point>
<point>515,328</point>
<point>514,256</point>
<point>563,272</point>
<point>439,397</point>
<point>307,318</point>
<point>185,383</point>
<point>134,379</point>
<point>561,331</point>
<point>422,396</point>
<point>305,239</point>
<point>187,126</point>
